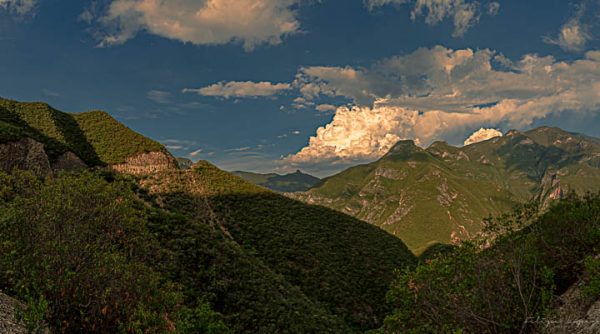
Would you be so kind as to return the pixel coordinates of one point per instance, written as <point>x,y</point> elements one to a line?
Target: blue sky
<point>246,84</point>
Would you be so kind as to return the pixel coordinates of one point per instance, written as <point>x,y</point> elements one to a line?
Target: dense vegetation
<point>292,182</point>
<point>338,262</point>
<point>505,280</point>
<point>442,193</point>
<point>78,250</point>
<point>95,252</point>
<point>95,137</point>
<point>112,141</point>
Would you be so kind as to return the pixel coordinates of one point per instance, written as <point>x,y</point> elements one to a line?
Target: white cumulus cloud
<point>481,135</point>
<point>201,22</point>
<point>240,89</point>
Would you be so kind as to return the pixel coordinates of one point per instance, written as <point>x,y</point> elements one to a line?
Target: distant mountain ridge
<point>442,193</point>
<point>292,182</point>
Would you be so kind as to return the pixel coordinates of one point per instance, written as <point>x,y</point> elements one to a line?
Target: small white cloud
<point>325,107</point>
<point>239,149</point>
<point>159,96</point>
<point>579,29</point>
<point>573,36</point>
<point>481,135</point>
<point>50,93</point>
<point>493,8</point>
<point>296,132</point>
<point>239,89</point>
<point>195,153</point>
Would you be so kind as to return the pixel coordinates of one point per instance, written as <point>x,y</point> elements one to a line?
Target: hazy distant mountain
<point>292,182</point>
<point>426,196</point>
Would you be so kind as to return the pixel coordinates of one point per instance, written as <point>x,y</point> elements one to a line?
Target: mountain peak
<point>403,148</point>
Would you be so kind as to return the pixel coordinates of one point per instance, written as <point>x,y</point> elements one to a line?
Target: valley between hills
<point>103,230</point>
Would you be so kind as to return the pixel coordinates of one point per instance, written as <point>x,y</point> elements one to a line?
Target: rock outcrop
<point>578,314</point>
<point>68,161</point>
<point>147,163</point>
<point>8,321</point>
<point>25,154</point>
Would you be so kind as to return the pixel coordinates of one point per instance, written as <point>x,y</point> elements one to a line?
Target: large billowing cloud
<point>240,89</point>
<point>19,7</point>
<point>439,93</point>
<point>201,22</point>
<point>464,13</point>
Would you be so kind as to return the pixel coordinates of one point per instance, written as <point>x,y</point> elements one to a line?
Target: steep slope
<point>441,194</point>
<point>340,263</point>
<point>94,137</point>
<point>292,182</point>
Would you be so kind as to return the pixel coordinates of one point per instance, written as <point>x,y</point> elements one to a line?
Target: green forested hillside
<point>442,194</point>
<point>95,136</point>
<point>340,263</point>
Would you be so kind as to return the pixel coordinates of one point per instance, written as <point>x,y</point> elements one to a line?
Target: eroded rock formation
<point>146,163</point>
<point>25,154</point>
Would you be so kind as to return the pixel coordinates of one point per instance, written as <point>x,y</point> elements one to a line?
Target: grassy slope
<point>430,196</point>
<point>341,264</point>
<point>95,136</point>
<point>113,141</point>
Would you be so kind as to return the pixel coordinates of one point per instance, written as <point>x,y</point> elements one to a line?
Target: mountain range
<point>292,182</point>
<point>442,194</point>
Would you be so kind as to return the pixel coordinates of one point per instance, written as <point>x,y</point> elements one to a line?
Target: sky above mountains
<point>265,85</point>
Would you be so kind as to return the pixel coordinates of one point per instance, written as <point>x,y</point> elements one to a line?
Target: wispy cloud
<point>159,96</point>
<point>464,13</point>
<point>240,89</point>
<point>576,32</point>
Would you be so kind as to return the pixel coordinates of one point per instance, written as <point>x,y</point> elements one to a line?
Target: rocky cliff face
<point>25,154</point>
<point>146,163</point>
<point>8,321</point>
